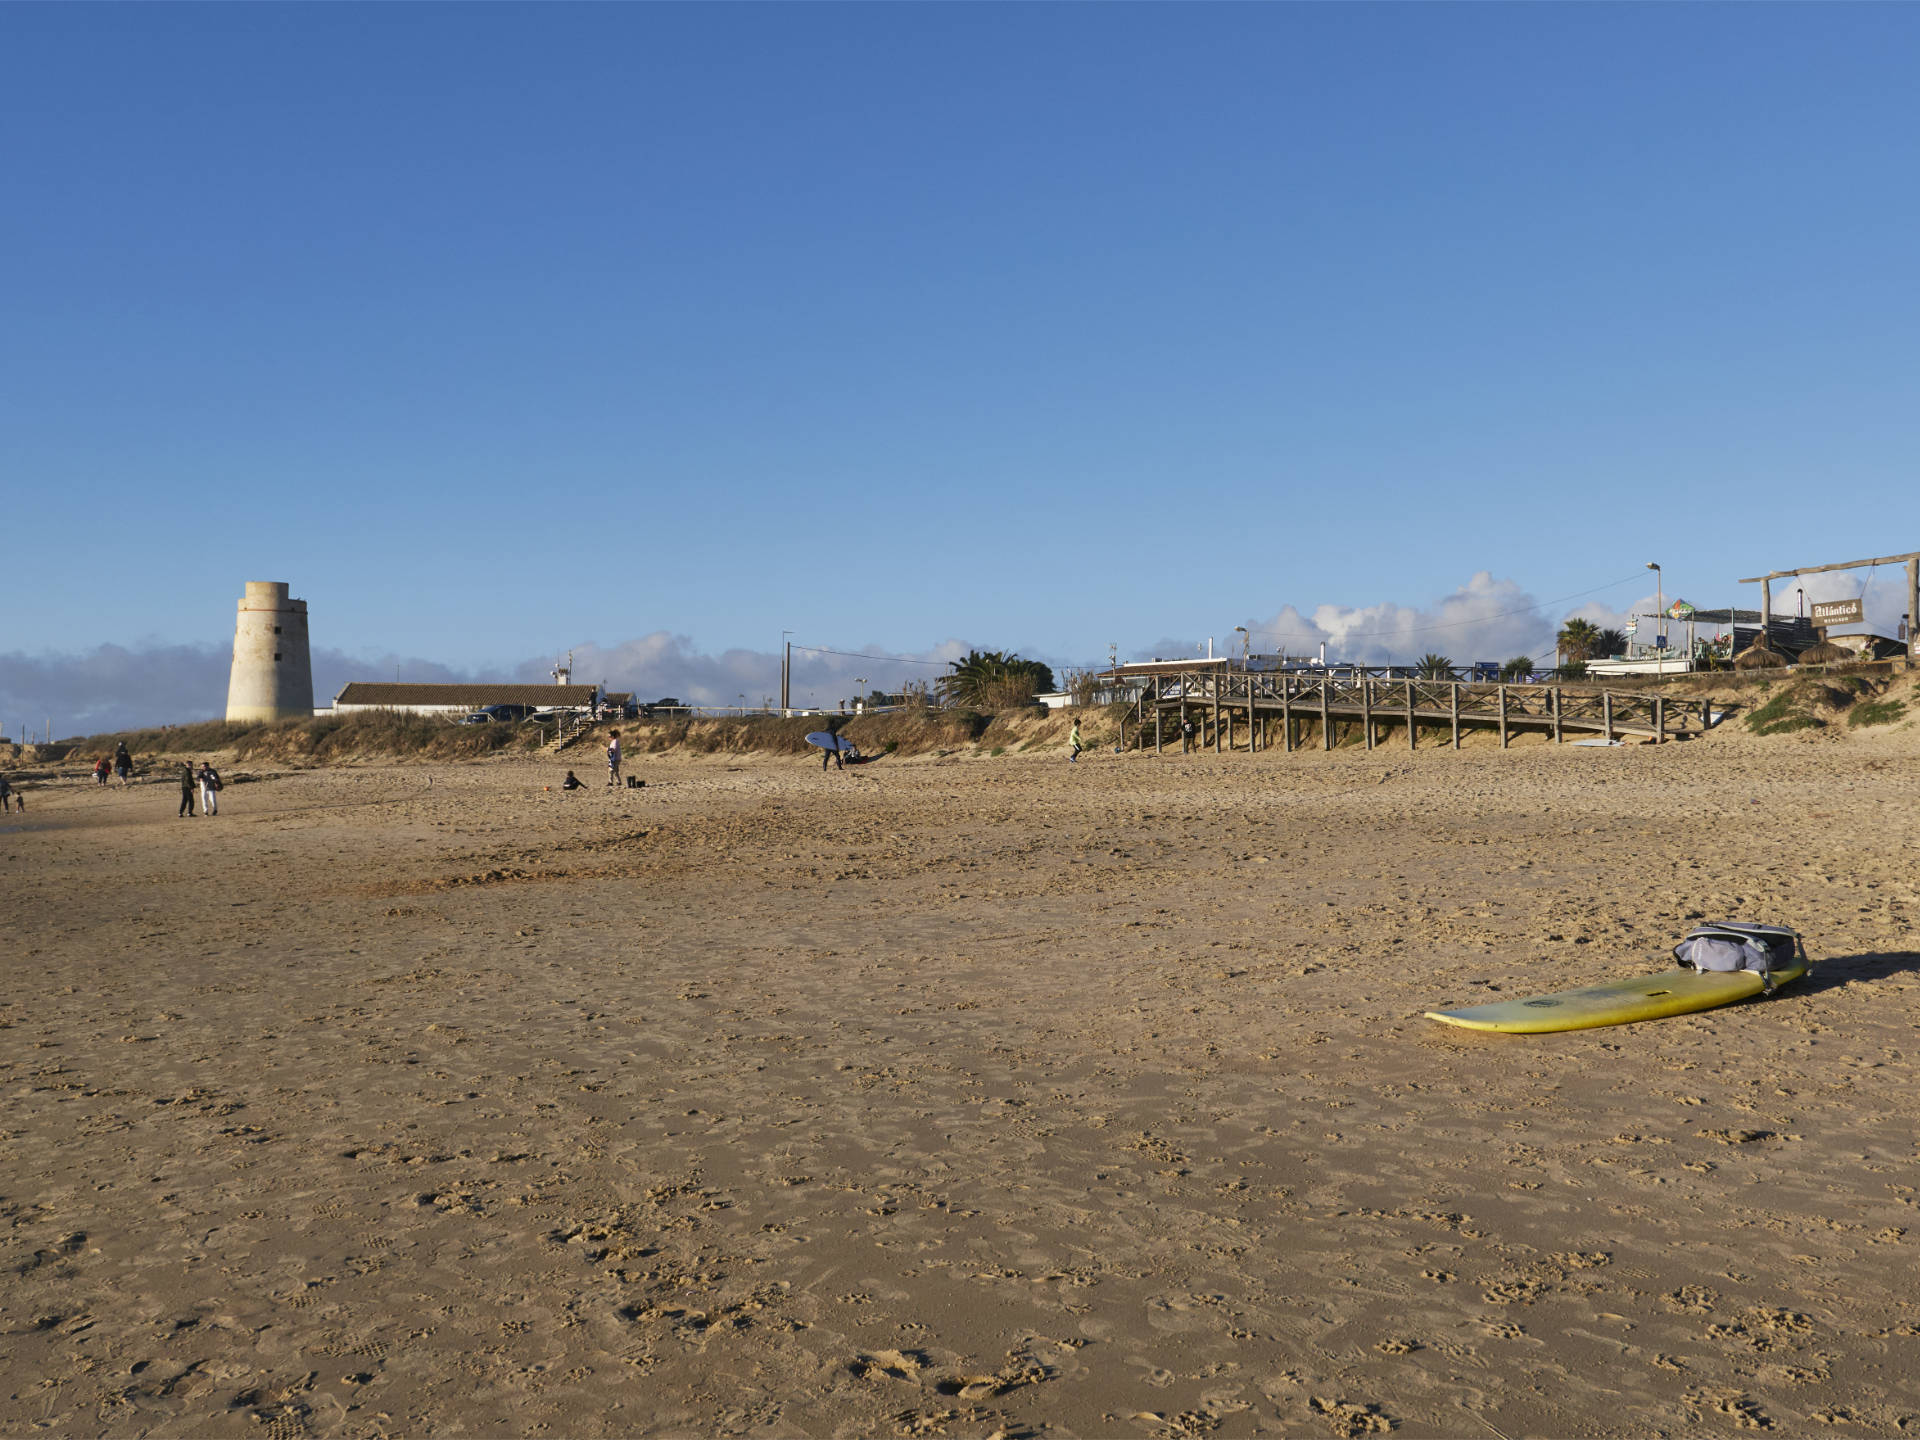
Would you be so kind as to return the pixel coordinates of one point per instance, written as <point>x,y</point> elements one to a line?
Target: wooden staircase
<point>571,730</point>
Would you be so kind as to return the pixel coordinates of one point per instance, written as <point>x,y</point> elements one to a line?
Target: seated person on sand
<point>573,782</point>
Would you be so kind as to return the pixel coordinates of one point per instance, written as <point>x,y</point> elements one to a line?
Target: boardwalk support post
<point>1503,717</point>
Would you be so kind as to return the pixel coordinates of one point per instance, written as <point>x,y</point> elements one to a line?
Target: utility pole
<point>786,671</point>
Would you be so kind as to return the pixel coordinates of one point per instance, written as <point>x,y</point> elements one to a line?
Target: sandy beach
<point>960,1096</point>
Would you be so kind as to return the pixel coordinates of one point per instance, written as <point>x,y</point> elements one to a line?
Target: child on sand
<point>1073,743</point>
<point>573,782</point>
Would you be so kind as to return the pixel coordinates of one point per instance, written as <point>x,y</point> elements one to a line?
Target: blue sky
<point>502,329</point>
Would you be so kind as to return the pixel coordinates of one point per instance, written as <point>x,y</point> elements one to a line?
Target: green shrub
<point>1876,712</point>
<point>1784,714</point>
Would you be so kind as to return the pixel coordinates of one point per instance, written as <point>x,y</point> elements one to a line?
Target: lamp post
<point>1659,606</point>
<point>859,693</point>
<point>1246,645</point>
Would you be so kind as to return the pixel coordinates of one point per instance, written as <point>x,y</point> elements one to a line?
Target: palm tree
<point>1577,640</point>
<point>1433,667</point>
<point>994,679</point>
<point>1610,644</point>
<point>1517,668</point>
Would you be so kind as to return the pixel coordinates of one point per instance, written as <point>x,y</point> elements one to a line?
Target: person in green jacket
<point>1073,742</point>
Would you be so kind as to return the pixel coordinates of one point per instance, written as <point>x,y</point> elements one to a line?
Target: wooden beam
<point>1326,725</point>
<point>1454,689</point>
<point>1410,740</point>
<point>1556,714</point>
<point>1606,713</point>
<point>1366,710</point>
<point>1503,717</point>
<point>1908,558</point>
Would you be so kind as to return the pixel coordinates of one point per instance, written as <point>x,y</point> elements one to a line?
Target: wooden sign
<point>1838,612</point>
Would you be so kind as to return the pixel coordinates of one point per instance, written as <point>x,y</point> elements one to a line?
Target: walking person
<point>1074,747</point>
<point>209,784</point>
<point>613,759</point>
<point>123,763</point>
<point>7,797</point>
<point>187,785</point>
<point>100,770</point>
<point>832,753</point>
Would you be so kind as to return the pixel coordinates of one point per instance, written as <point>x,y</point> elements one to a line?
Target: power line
<point>1449,625</point>
<point>857,655</point>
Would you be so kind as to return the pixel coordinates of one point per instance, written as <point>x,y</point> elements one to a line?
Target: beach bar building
<point>452,701</point>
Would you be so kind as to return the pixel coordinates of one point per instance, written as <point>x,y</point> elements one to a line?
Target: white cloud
<point>116,687</point>
<point>659,665</point>
<point>1485,619</point>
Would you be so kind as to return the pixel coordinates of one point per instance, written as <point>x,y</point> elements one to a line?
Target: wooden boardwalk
<point>1240,709</point>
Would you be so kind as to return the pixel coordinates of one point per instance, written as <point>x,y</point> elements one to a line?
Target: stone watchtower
<point>272,671</point>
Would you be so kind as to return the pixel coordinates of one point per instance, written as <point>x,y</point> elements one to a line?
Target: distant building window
<point>276,654</point>
<point>276,629</point>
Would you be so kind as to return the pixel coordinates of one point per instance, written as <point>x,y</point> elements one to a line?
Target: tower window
<point>276,629</point>
<point>276,654</point>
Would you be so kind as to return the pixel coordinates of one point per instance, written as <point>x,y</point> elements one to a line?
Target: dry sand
<point>962,1096</point>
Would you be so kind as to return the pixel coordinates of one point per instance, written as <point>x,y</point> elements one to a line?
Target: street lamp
<point>1246,644</point>
<point>1659,606</point>
<point>860,693</point>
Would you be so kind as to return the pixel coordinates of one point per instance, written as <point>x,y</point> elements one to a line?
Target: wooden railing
<point>1221,701</point>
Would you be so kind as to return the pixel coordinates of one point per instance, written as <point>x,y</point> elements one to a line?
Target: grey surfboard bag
<point>1727,945</point>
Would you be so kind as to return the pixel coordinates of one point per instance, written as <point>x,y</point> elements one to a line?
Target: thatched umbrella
<point>1758,657</point>
<point>1825,653</point>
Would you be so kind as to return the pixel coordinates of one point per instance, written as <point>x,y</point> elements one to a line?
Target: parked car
<point>506,714</point>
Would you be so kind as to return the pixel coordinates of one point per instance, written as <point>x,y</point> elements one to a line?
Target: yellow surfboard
<point>1654,997</point>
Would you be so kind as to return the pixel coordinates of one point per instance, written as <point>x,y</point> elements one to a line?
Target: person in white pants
<point>209,788</point>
